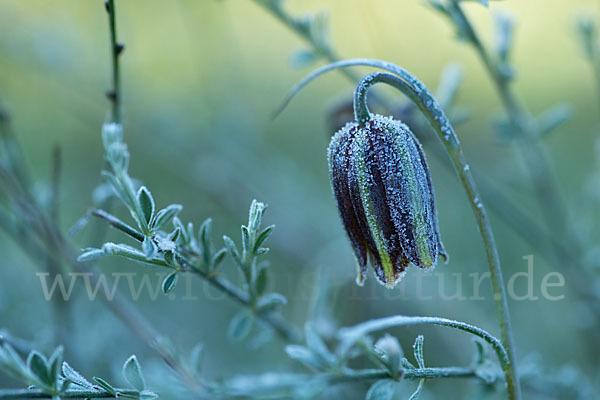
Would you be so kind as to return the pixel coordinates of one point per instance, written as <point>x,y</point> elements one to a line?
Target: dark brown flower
<point>383,190</point>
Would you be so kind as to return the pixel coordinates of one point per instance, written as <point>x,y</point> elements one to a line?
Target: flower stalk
<point>416,91</point>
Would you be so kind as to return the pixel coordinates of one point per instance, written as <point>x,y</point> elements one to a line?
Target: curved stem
<point>418,93</point>
<point>349,336</point>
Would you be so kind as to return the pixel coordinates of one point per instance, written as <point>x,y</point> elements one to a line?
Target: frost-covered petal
<point>370,198</point>
<point>338,156</point>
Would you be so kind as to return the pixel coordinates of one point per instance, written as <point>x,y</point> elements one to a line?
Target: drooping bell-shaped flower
<point>383,190</point>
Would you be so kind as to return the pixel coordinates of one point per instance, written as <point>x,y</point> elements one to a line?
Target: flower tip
<point>360,280</point>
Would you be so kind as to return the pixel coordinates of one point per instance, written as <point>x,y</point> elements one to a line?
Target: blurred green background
<point>201,80</point>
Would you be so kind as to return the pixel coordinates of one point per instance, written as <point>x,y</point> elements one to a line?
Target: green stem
<point>114,94</point>
<point>411,374</point>
<point>118,224</point>
<point>418,93</point>
<point>349,336</point>
<point>280,325</point>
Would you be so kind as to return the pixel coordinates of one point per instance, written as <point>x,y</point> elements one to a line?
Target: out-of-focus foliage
<point>201,80</point>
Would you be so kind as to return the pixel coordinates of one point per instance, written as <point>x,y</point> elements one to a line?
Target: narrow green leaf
<point>117,188</point>
<point>383,389</point>
<point>75,377</point>
<point>261,281</point>
<point>245,240</point>
<point>304,356</point>
<point>148,395</point>
<point>55,364</point>
<point>231,248</point>
<point>270,302</point>
<point>196,358</point>
<point>240,326</point>
<point>170,281</point>
<point>38,365</point>
<point>146,202</point>
<point>255,215</point>
<point>104,385</point>
<point>218,257</point>
<point>149,247</point>
<point>392,352</point>
<point>316,344</point>
<point>133,373</point>
<point>166,215</point>
<point>178,224</point>
<point>173,236</point>
<point>480,353</point>
<point>263,236</point>
<point>205,240</point>
<point>129,252</point>
<point>90,255</point>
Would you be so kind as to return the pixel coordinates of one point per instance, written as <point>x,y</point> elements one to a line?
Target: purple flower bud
<point>383,190</point>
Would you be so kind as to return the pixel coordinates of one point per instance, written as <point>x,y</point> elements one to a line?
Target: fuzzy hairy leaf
<point>75,377</point>
<point>107,387</point>
<point>38,365</point>
<point>166,215</point>
<point>146,202</point>
<point>133,373</point>
<point>170,281</point>
<point>271,301</point>
<point>304,355</point>
<point>240,326</point>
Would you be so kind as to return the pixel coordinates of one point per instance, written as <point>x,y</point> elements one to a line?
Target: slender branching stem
<point>114,94</point>
<point>411,374</point>
<point>548,196</point>
<point>281,326</point>
<point>418,93</point>
<point>325,52</point>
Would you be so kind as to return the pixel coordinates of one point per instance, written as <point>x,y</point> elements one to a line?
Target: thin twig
<point>116,48</point>
<point>549,199</point>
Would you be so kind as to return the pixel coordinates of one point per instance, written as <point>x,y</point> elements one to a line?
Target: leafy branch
<point>387,365</point>
<point>166,241</point>
<point>53,378</point>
